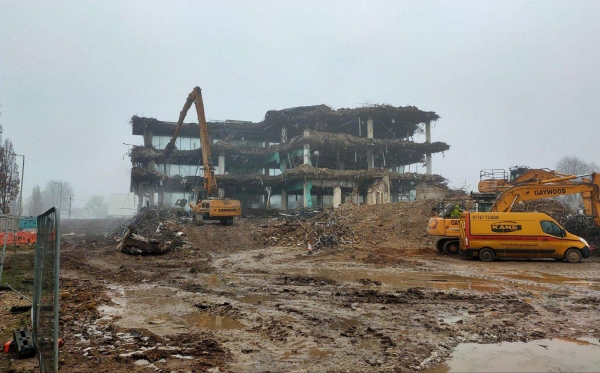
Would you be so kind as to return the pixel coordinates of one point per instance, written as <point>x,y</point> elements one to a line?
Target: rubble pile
<point>350,226</point>
<point>585,228</point>
<point>556,209</point>
<point>153,231</point>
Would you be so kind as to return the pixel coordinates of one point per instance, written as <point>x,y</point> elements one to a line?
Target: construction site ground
<point>383,300</point>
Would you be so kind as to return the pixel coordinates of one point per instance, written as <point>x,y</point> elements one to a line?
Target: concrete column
<point>306,153</point>
<point>337,197</point>
<point>428,140</point>
<point>284,199</point>
<point>161,197</point>
<point>307,199</point>
<point>370,157</point>
<point>283,133</point>
<point>221,167</point>
<point>355,197</point>
<point>147,137</point>
<point>283,165</point>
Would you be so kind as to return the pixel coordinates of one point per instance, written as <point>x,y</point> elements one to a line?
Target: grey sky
<point>515,82</point>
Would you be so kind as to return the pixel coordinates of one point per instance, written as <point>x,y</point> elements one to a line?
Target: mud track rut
<point>277,309</point>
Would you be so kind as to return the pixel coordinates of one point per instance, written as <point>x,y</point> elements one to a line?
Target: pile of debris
<point>319,228</point>
<point>153,231</point>
<point>397,224</point>
<point>556,209</point>
<point>585,228</point>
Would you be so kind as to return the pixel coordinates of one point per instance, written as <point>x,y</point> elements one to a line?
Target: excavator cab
<point>516,171</point>
<point>197,194</point>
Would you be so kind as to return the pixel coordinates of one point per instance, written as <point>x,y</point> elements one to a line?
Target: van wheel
<point>573,256</point>
<point>487,255</point>
<point>451,248</point>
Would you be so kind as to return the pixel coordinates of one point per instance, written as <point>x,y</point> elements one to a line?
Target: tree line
<point>60,194</point>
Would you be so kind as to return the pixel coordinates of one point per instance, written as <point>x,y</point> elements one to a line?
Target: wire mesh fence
<point>46,290</point>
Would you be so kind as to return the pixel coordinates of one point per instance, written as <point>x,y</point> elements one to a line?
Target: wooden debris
<point>134,244</point>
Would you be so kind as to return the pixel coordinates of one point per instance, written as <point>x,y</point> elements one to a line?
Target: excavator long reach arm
<point>210,180</point>
<point>589,190</point>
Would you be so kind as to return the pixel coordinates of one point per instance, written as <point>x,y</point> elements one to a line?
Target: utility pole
<point>59,199</point>
<point>70,198</point>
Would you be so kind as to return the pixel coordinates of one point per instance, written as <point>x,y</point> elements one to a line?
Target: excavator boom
<point>195,97</point>
<point>590,191</point>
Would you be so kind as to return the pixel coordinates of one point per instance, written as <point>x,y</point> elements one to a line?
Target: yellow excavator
<point>498,180</point>
<point>588,188</point>
<point>446,227</point>
<point>206,203</point>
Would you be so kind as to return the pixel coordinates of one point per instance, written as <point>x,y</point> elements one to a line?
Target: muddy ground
<point>386,302</point>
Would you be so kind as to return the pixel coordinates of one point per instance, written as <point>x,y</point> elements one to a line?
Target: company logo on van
<point>506,226</point>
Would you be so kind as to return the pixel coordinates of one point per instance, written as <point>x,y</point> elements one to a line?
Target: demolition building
<point>299,157</point>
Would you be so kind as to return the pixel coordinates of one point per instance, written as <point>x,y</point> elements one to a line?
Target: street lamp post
<point>59,199</point>
<point>22,177</point>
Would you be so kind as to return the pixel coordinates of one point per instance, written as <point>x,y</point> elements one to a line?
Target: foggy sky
<point>515,82</point>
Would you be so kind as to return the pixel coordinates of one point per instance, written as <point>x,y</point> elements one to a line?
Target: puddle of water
<point>161,311</point>
<point>301,353</point>
<point>401,280</point>
<point>555,279</point>
<point>450,320</point>
<point>556,355</point>
<point>343,323</point>
<point>213,281</point>
<point>213,322</point>
<point>256,298</point>
<point>315,353</point>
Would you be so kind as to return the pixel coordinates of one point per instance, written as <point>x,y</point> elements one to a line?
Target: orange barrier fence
<point>19,238</point>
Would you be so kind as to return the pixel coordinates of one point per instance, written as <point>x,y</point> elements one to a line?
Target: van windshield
<point>550,227</point>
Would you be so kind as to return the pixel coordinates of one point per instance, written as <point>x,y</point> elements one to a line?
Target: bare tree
<point>575,166</point>
<point>97,207</point>
<point>35,205</point>
<point>9,175</point>
<point>51,195</point>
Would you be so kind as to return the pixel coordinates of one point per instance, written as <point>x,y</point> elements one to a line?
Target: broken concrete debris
<point>153,231</point>
<point>134,244</point>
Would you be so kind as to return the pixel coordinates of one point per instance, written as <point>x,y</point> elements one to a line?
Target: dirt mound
<point>394,224</point>
<point>220,239</point>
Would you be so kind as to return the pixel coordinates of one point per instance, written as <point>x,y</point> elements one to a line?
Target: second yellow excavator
<point>498,180</point>
<point>206,203</point>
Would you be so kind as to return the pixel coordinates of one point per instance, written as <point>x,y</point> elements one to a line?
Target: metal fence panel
<point>45,293</point>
